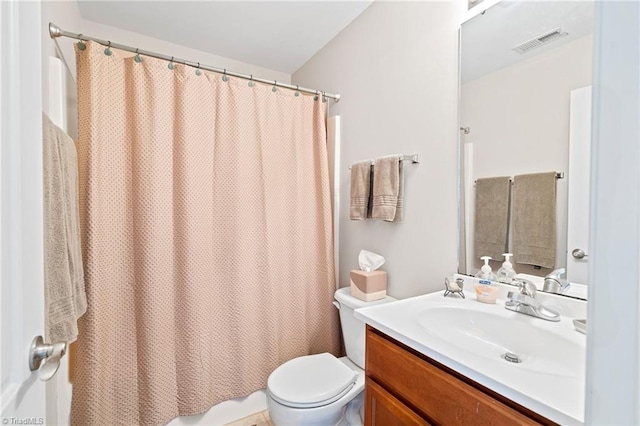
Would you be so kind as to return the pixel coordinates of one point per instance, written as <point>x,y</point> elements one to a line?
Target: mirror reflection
<point>526,72</point>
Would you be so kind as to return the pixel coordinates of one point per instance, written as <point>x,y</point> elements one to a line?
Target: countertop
<point>552,385</point>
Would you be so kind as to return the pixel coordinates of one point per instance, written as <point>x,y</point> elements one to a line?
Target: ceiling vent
<point>540,40</point>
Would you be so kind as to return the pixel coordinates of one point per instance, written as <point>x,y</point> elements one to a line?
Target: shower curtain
<point>207,237</point>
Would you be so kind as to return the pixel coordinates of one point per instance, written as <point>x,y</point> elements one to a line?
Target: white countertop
<point>551,385</point>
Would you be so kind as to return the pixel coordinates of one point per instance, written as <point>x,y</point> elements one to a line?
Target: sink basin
<point>493,334</point>
<point>472,338</point>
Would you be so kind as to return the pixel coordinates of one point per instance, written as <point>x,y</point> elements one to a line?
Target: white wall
<point>519,120</point>
<point>396,67</point>
<point>613,311</point>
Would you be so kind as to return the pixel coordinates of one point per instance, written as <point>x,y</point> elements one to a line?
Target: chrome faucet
<point>553,283</point>
<point>525,302</point>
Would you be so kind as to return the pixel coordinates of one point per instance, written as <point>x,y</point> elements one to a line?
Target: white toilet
<point>322,389</point>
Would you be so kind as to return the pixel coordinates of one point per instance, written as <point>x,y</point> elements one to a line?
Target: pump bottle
<point>486,289</point>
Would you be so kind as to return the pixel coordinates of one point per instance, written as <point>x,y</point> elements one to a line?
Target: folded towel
<point>360,190</point>
<point>534,219</point>
<point>65,299</point>
<point>400,205</point>
<point>386,188</point>
<point>492,216</point>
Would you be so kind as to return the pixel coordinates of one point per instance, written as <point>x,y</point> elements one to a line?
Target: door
<point>579,178</point>
<point>21,252</point>
<point>383,409</point>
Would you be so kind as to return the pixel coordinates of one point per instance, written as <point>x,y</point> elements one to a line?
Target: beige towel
<point>65,299</point>
<point>400,205</point>
<point>387,183</point>
<point>492,216</point>
<point>360,190</point>
<point>534,219</point>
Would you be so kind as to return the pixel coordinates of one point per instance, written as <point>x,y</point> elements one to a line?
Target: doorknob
<point>49,353</point>
<point>579,253</point>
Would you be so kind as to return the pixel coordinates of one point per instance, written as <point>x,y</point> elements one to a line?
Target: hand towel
<point>492,217</point>
<point>65,299</point>
<point>386,189</point>
<point>534,219</point>
<point>400,205</point>
<point>360,190</point>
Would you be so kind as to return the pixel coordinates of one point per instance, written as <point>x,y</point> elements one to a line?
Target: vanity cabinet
<point>404,387</point>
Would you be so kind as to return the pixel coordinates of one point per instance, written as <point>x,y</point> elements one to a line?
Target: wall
<point>396,67</point>
<point>67,16</point>
<point>519,120</point>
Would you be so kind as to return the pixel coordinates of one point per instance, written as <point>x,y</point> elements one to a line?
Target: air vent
<point>540,40</point>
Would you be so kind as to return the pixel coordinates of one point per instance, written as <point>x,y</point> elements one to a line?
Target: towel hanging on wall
<point>492,216</point>
<point>534,219</point>
<point>387,189</point>
<point>360,191</point>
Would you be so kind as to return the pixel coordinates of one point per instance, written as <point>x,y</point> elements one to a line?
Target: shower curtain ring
<point>81,45</point>
<point>297,93</point>
<point>224,75</point>
<point>137,58</point>
<point>198,72</point>
<point>108,51</point>
<point>275,86</point>
<point>251,83</point>
<point>171,65</point>
<point>315,97</point>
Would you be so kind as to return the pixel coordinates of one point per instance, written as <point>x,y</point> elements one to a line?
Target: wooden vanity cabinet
<point>404,387</point>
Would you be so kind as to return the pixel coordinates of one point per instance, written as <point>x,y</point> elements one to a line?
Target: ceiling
<point>279,35</point>
<point>488,38</point>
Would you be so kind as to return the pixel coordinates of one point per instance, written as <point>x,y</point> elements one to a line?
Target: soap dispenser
<point>486,289</point>
<point>485,273</point>
<point>506,274</point>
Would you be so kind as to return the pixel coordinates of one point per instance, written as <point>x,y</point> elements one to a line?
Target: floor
<point>257,419</point>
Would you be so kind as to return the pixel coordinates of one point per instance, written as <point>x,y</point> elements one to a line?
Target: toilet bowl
<point>321,389</point>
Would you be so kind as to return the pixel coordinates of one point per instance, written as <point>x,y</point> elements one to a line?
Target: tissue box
<point>368,286</point>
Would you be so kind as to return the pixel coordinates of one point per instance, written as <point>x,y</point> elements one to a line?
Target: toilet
<point>321,389</point>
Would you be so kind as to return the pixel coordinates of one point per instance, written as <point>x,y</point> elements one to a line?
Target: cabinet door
<point>383,409</point>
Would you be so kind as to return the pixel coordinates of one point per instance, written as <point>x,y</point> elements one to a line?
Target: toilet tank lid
<point>344,296</point>
<point>310,381</point>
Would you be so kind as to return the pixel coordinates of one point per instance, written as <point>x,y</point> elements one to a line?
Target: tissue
<point>368,283</point>
<point>369,261</point>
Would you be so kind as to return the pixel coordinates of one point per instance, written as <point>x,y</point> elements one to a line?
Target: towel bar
<point>559,175</point>
<point>414,158</point>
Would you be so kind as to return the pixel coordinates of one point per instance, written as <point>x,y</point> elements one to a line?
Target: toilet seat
<point>311,381</point>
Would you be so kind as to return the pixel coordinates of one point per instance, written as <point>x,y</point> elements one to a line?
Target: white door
<point>579,175</point>
<point>21,252</point>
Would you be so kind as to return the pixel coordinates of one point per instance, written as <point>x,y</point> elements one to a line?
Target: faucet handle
<point>527,287</point>
<point>555,274</point>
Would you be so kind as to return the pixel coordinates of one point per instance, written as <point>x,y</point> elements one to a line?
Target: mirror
<point>522,65</point>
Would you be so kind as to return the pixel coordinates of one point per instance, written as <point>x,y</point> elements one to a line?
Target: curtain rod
<point>55,32</point>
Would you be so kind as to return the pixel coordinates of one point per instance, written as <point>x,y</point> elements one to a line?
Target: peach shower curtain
<point>207,237</point>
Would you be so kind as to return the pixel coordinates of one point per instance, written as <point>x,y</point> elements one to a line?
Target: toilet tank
<point>353,330</point>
